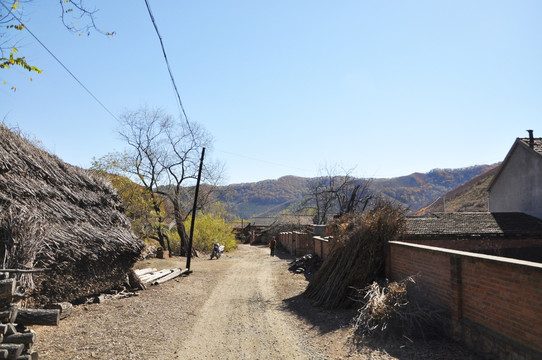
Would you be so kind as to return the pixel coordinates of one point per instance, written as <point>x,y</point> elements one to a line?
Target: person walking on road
<point>272,245</point>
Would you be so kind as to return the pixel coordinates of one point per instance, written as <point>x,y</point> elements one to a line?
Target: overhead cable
<point>60,62</point>
<point>167,61</point>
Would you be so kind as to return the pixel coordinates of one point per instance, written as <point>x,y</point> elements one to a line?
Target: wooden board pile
<point>154,277</point>
<point>16,340</point>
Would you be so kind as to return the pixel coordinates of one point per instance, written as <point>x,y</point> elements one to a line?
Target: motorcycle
<point>217,251</point>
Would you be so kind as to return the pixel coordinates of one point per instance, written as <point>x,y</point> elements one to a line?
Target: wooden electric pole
<point>189,257</point>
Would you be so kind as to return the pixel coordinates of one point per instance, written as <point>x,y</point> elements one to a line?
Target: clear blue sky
<point>286,87</point>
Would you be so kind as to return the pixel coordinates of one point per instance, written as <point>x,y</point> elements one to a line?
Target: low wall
<point>297,243</point>
<point>494,302</point>
<point>518,248</point>
<point>322,246</point>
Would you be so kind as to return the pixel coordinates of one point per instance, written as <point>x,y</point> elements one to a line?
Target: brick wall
<point>495,303</point>
<point>297,243</point>
<point>478,244</point>
<point>322,246</point>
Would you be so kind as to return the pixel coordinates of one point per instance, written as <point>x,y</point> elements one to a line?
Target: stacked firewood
<point>16,341</point>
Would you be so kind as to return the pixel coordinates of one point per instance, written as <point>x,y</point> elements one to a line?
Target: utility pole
<point>189,257</point>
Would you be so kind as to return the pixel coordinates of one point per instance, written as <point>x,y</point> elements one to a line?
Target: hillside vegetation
<point>270,197</point>
<point>471,196</point>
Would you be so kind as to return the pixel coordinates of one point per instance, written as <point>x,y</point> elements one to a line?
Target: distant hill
<point>267,197</point>
<point>471,196</point>
<point>270,197</point>
<point>417,190</point>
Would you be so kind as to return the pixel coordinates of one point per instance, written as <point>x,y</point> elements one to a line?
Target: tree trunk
<point>20,338</point>
<point>181,230</point>
<point>38,317</point>
<point>158,212</point>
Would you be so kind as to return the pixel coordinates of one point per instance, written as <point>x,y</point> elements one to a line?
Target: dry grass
<point>396,309</point>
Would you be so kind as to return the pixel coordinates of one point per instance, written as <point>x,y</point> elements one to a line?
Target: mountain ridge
<point>270,197</point>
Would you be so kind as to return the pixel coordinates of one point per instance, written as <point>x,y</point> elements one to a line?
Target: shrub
<point>209,229</point>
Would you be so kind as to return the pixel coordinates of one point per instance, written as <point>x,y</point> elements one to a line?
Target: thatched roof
<point>57,216</point>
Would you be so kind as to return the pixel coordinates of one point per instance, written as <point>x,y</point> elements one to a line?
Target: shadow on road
<point>324,320</point>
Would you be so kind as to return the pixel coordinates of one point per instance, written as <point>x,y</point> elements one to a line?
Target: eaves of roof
<point>524,142</point>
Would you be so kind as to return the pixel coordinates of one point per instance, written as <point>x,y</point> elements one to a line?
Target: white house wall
<point>518,187</point>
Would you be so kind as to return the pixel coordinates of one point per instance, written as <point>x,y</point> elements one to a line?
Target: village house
<point>485,269</point>
<point>517,187</point>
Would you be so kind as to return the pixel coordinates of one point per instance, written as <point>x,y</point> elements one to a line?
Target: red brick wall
<point>297,243</point>
<point>496,303</point>
<point>322,247</point>
<point>429,267</point>
<point>477,244</point>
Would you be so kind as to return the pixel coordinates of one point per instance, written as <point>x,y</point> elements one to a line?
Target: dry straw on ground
<point>57,216</point>
<point>396,309</point>
<point>357,257</point>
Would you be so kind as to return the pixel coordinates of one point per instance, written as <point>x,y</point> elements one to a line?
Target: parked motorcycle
<point>217,251</point>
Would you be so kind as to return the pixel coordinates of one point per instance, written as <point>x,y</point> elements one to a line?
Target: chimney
<point>531,139</point>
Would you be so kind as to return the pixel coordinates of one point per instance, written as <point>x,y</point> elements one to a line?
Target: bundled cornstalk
<point>63,218</point>
<point>358,256</point>
<point>396,309</point>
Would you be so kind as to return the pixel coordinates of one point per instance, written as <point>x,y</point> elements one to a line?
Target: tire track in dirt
<point>243,317</point>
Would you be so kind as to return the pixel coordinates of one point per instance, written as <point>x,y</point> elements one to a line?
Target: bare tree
<point>74,14</point>
<point>164,157</point>
<point>337,193</point>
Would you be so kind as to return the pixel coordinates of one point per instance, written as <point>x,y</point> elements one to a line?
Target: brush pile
<point>62,218</point>
<point>358,255</point>
<point>396,309</point>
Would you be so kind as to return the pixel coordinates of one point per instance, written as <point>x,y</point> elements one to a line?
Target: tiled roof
<point>262,221</point>
<point>266,221</point>
<point>537,144</point>
<point>473,224</point>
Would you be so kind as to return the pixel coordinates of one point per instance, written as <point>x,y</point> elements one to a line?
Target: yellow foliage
<point>209,229</point>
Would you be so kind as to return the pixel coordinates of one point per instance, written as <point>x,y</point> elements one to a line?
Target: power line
<point>60,62</point>
<point>167,61</point>
<point>262,161</point>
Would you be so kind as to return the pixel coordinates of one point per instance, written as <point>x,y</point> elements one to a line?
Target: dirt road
<point>246,305</point>
<point>231,308</point>
<point>244,317</point>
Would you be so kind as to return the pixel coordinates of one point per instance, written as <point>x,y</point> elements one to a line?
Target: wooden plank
<point>140,272</point>
<point>157,275</point>
<point>154,274</point>
<point>173,275</point>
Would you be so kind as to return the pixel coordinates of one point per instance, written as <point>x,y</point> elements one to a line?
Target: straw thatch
<point>57,216</point>
<point>358,255</point>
